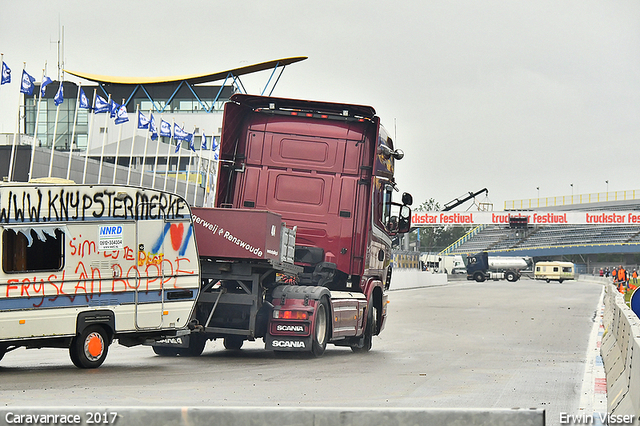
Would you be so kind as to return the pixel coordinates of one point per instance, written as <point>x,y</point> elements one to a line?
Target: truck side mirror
<point>404,221</point>
<point>407,199</point>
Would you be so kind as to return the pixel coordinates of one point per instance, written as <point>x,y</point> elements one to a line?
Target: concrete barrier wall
<point>621,356</point>
<point>415,278</point>
<point>242,416</point>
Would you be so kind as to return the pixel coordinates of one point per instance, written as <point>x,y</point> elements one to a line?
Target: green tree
<point>435,238</point>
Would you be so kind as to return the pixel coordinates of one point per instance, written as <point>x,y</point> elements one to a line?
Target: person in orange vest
<point>622,279</point>
<point>614,274</point>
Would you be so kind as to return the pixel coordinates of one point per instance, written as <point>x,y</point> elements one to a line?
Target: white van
<point>83,265</point>
<point>554,271</point>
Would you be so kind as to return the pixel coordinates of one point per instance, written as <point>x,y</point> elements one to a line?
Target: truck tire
<point>233,343</point>
<point>321,328</point>
<point>369,332</point>
<point>479,277</point>
<point>510,276</point>
<point>89,348</point>
<point>196,346</point>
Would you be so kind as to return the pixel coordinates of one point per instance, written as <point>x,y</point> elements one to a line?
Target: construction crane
<point>456,202</point>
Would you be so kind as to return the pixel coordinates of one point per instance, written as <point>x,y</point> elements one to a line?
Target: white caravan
<point>83,265</point>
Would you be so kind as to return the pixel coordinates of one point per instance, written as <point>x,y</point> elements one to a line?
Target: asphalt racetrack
<point>462,345</point>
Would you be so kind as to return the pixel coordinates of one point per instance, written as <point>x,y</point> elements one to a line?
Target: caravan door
<point>152,271</point>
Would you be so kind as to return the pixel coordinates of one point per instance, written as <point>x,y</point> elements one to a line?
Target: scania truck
<point>297,249</point>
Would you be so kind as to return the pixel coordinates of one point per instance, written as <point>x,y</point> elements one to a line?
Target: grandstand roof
<point>191,79</point>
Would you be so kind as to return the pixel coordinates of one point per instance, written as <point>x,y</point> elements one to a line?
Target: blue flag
<point>179,133</point>
<point>143,121</point>
<point>84,101</point>
<point>101,105</point>
<point>153,129</point>
<point>6,74</point>
<point>45,80</point>
<point>215,148</point>
<point>178,145</point>
<point>191,145</point>
<point>165,129</point>
<point>113,109</point>
<point>27,83</point>
<point>59,97</point>
<point>204,141</point>
<point>121,115</point>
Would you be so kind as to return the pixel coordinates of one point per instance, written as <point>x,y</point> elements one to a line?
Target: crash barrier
<point>249,416</point>
<point>621,355</point>
<point>414,278</point>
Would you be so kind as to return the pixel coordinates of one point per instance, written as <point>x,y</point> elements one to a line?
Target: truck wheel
<point>233,343</point>
<point>89,349</point>
<point>479,277</point>
<point>510,276</point>
<point>321,329</point>
<point>367,339</point>
<point>196,346</point>
<point>165,351</point>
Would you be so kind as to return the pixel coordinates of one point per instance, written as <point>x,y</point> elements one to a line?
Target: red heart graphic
<point>176,235</point>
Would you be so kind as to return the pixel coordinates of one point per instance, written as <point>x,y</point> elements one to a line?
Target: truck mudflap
<point>287,343</point>
<point>293,323</point>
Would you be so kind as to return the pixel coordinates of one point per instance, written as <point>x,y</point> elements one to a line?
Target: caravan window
<point>566,269</point>
<point>27,250</point>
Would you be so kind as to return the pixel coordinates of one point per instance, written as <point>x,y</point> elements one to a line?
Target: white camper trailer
<point>83,265</point>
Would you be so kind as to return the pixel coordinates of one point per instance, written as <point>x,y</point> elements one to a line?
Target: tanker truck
<point>481,267</point>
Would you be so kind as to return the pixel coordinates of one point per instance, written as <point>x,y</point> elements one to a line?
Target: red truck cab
<point>328,170</point>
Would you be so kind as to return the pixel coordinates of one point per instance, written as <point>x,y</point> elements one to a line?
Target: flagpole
<point>86,152</point>
<point>211,153</point>
<point>15,135</point>
<point>146,145</point>
<point>155,163</point>
<point>203,142</point>
<point>115,163</point>
<point>175,184</point>
<point>186,189</point>
<point>55,131</point>
<point>133,141</point>
<point>104,138</point>
<point>73,132</point>
<point>35,131</point>
<point>166,173</point>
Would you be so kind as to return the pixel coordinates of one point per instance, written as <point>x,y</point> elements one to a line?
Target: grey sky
<point>508,95</point>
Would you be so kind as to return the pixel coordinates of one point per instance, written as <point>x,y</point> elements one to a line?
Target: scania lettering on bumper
<point>288,344</point>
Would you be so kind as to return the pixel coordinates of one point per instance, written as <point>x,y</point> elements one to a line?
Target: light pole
<point>607,182</point>
<point>571,193</point>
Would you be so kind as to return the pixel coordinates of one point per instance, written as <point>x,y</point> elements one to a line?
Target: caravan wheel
<point>89,348</point>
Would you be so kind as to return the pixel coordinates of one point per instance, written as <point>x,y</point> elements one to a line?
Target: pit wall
<point>620,352</point>
<point>414,278</point>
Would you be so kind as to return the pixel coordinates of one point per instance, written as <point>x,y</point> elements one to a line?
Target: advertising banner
<point>533,218</point>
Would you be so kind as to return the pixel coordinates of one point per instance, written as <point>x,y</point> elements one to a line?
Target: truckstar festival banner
<point>534,218</point>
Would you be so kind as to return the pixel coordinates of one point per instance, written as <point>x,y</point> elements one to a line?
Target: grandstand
<point>558,240</point>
